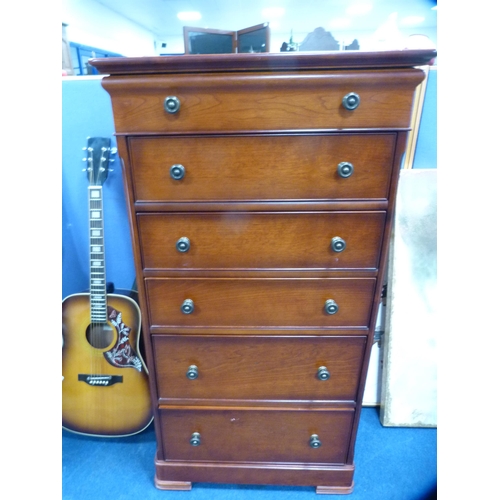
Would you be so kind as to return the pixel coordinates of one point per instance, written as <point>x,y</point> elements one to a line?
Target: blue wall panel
<point>86,112</point>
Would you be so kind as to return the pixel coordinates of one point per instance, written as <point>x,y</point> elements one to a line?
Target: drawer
<point>259,302</point>
<point>263,101</point>
<point>259,368</point>
<point>282,240</point>
<point>256,435</point>
<point>242,168</point>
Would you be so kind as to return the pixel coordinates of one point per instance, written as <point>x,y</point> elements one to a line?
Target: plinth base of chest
<point>328,479</point>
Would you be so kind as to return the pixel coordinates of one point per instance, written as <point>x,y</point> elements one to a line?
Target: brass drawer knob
<point>177,172</point>
<point>323,373</point>
<point>338,244</point>
<point>192,373</point>
<point>350,101</point>
<point>314,441</point>
<point>195,439</point>
<point>183,244</point>
<point>345,169</point>
<point>331,306</point>
<point>187,306</point>
<point>172,104</point>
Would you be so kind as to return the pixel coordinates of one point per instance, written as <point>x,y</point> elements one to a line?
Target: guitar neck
<point>98,301</point>
<point>98,152</point>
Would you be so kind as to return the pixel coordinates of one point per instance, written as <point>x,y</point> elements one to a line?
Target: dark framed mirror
<point>214,41</point>
<point>208,41</point>
<point>254,39</point>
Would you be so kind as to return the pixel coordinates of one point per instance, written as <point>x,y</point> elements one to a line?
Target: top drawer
<point>260,101</point>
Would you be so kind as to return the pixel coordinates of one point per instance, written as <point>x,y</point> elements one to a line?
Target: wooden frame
<point>216,42</point>
<point>416,116</point>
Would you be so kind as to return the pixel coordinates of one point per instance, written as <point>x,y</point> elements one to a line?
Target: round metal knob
<point>345,169</point>
<point>331,306</point>
<point>323,373</point>
<point>195,439</point>
<point>172,104</point>
<point>183,244</point>
<point>350,101</point>
<point>192,373</point>
<point>177,172</point>
<point>338,244</point>
<point>314,441</point>
<point>187,306</point>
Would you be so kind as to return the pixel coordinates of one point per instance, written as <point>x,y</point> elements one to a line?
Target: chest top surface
<point>295,61</point>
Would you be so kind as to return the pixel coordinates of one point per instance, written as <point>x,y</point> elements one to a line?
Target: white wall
<point>90,23</point>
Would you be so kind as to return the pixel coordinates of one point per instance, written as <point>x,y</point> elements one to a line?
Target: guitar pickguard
<point>121,354</point>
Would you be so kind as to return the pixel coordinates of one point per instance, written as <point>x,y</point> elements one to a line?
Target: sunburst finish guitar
<point>105,389</point>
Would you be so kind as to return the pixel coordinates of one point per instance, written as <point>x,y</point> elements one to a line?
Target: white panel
<point>409,374</point>
<point>371,396</point>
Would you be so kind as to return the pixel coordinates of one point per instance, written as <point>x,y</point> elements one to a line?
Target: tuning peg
<point>113,151</point>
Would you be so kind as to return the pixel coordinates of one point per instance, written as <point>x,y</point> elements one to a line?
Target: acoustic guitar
<point>105,389</point>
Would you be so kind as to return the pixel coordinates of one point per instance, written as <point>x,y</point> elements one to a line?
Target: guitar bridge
<point>102,380</point>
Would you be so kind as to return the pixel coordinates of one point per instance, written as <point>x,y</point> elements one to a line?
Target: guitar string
<point>98,298</point>
<point>100,301</point>
<point>103,317</point>
<point>91,280</point>
<point>103,299</point>
<point>90,171</point>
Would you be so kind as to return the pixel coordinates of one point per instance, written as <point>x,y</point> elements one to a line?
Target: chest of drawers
<point>261,193</point>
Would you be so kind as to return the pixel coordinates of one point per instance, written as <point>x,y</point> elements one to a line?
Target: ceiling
<point>160,16</point>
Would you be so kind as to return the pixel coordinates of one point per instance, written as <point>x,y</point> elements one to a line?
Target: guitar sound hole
<point>99,335</point>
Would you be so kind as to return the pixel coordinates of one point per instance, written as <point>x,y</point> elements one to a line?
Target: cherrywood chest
<point>261,191</point>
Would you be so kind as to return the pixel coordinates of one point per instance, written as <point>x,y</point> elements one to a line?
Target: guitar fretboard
<point>98,305</point>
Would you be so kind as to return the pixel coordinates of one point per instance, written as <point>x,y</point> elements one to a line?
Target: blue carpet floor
<point>391,464</point>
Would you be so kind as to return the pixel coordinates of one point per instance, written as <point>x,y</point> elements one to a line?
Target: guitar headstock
<point>99,152</point>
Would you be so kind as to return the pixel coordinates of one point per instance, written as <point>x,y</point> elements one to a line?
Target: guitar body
<point>105,388</point>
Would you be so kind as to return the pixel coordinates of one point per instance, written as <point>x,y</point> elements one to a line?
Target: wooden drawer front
<point>300,167</point>
<point>248,302</point>
<point>256,435</point>
<point>286,368</point>
<point>300,240</point>
<point>227,102</point>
